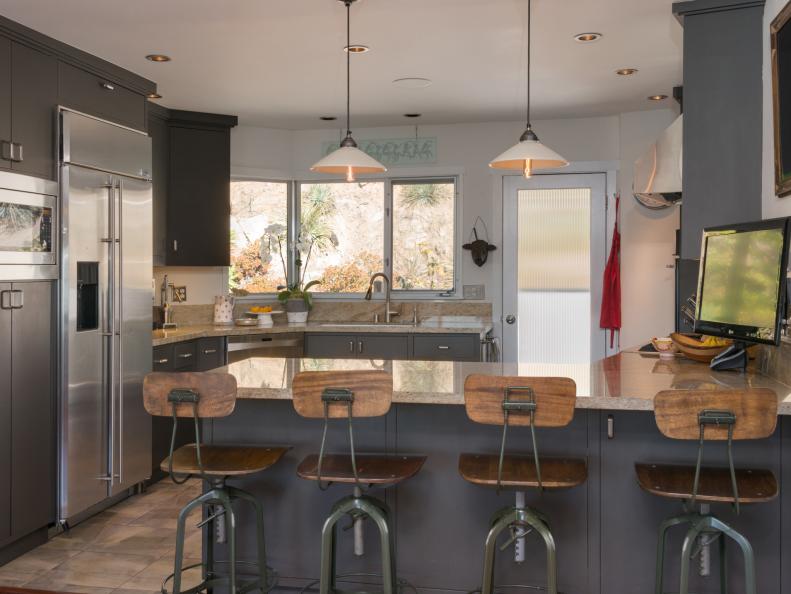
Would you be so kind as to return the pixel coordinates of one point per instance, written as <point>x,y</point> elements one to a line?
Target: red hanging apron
<point>611,289</point>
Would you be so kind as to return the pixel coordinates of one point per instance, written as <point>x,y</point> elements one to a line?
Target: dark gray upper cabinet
<point>34,96</point>
<point>159,132</point>
<point>5,420</point>
<point>198,190</point>
<point>5,102</point>
<point>98,96</point>
<point>32,411</point>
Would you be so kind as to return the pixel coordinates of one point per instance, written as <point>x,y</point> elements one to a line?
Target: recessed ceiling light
<point>154,96</point>
<point>158,58</point>
<point>357,49</point>
<point>412,115</point>
<point>587,37</point>
<point>657,97</point>
<point>412,82</point>
<point>626,71</point>
<point>327,118</point>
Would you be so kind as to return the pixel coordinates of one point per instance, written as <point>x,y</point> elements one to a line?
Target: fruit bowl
<point>665,347</point>
<point>698,347</point>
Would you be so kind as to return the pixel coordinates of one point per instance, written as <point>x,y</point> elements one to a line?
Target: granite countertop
<point>431,325</point>
<point>627,381</point>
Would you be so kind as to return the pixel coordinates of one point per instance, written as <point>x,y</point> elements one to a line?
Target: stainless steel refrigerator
<point>105,325</point>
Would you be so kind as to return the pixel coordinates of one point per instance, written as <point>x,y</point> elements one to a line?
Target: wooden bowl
<point>692,347</point>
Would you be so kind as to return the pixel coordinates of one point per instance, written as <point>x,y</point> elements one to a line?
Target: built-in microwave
<point>28,228</point>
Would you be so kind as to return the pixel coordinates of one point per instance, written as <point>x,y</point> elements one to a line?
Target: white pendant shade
<point>529,155</point>
<point>348,161</point>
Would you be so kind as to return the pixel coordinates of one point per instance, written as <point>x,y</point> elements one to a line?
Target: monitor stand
<point>734,357</point>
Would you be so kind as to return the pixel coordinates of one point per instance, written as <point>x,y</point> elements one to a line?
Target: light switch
<point>474,292</point>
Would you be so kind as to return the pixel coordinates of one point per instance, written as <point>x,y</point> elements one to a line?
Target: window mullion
<point>388,230</point>
<point>293,230</point>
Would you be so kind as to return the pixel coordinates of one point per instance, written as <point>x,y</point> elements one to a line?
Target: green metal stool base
<point>357,506</point>
<point>515,517</point>
<point>702,524</point>
<point>222,496</point>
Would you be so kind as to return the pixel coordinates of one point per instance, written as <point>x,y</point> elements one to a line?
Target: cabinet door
<point>5,415</point>
<point>32,410</point>
<point>5,101</point>
<point>160,155</point>
<point>199,206</point>
<point>211,353</point>
<point>163,358</point>
<point>331,346</point>
<point>447,347</point>
<point>185,356</point>
<point>102,98</point>
<point>34,97</point>
<point>382,346</point>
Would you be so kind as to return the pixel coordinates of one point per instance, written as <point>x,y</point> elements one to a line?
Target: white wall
<point>772,205</point>
<point>466,149</point>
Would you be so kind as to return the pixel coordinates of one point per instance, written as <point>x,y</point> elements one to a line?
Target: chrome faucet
<point>167,310</point>
<point>388,312</point>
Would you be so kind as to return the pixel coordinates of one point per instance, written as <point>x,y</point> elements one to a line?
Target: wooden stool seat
<point>520,471</point>
<point>372,469</point>
<point>675,482</point>
<point>224,460</point>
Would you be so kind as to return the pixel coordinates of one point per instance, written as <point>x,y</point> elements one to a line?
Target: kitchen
<point>196,188</point>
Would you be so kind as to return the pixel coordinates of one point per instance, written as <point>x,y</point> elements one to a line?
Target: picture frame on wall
<point>780,32</point>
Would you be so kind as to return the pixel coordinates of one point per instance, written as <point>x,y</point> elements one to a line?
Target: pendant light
<point>348,160</point>
<point>529,154</point>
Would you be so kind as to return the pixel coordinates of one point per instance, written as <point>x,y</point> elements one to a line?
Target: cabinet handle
<point>610,427</point>
<point>175,245</point>
<point>443,347</point>
<point>161,361</point>
<point>5,300</point>
<point>7,150</point>
<point>209,351</point>
<point>351,346</point>
<point>17,152</point>
<point>185,355</point>
<point>17,304</point>
<point>359,346</point>
<point>107,86</point>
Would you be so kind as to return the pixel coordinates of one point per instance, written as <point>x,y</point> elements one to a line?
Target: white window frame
<point>294,203</point>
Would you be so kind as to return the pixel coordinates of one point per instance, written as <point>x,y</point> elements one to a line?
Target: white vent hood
<point>657,174</point>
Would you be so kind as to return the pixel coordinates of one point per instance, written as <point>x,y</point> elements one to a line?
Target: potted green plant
<point>298,301</point>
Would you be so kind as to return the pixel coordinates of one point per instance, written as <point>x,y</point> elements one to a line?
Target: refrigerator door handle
<point>120,304</point>
<point>111,312</point>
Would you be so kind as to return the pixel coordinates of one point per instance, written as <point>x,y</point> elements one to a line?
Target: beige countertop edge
<point>185,333</point>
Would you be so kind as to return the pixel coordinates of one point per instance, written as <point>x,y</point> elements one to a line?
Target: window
<point>259,236</point>
<point>341,233</point>
<point>424,235</point>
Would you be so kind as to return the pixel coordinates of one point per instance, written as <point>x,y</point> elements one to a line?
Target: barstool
<point>520,402</point>
<point>209,396</point>
<point>347,395</point>
<point>721,415</point>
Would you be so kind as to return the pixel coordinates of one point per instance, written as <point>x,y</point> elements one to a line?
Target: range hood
<point>657,174</point>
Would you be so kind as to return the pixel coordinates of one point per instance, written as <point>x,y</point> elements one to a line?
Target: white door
<point>554,252</point>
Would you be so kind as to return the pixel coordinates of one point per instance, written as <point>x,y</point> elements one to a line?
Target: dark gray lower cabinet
<point>366,345</point>
<point>5,420</point>
<point>27,410</point>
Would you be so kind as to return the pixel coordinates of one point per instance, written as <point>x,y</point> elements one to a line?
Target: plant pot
<point>296,311</point>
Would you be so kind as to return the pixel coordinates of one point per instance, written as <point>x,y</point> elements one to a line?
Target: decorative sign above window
<point>394,152</point>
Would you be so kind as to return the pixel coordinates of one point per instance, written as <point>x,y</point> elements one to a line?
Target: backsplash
<point>343,311</point>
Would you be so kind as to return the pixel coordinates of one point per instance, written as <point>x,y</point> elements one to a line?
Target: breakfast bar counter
<point>626,381</point>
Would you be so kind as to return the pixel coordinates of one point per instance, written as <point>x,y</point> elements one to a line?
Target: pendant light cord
<point>348,67</point>
<point>529,42</point>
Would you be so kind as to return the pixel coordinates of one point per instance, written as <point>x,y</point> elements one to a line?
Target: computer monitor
<point>742,282</point>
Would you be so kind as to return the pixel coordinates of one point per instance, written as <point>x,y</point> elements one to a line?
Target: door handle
<point>360,346</point>
<point>5,300</point>
<point>17,152</point>
<point>510,319</point>
<point>7,150</point>
<point>21,302</point>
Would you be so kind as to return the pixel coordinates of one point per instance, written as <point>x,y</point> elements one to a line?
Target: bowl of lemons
<point>264,315</point>
<point>700,347</point>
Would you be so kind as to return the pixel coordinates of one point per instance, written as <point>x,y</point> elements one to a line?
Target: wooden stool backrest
<point>678,413</point>
<point>216,392</point>
<point>554,397</point>
<point>372,390</point>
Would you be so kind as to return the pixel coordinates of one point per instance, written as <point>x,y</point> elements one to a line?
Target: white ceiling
<point>281,64</point>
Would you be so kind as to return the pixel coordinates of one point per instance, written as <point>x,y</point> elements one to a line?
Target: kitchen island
<point>605,529</point>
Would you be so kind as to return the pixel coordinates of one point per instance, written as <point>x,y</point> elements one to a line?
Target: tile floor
<point>127,549</point>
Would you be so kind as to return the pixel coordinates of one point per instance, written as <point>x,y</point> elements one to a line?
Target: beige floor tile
<point>60,579</point>
<point>132,540</point>
<point>15,578</point>
<point>151,577</point>
<point>39,560</point>
<point>136,591</point>
<point>110,563</point>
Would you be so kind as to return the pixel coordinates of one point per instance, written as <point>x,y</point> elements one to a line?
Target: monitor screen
<point>742,281</point>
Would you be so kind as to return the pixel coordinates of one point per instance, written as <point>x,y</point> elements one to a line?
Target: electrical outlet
<point>179,294</point>
<point>474,292</point>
